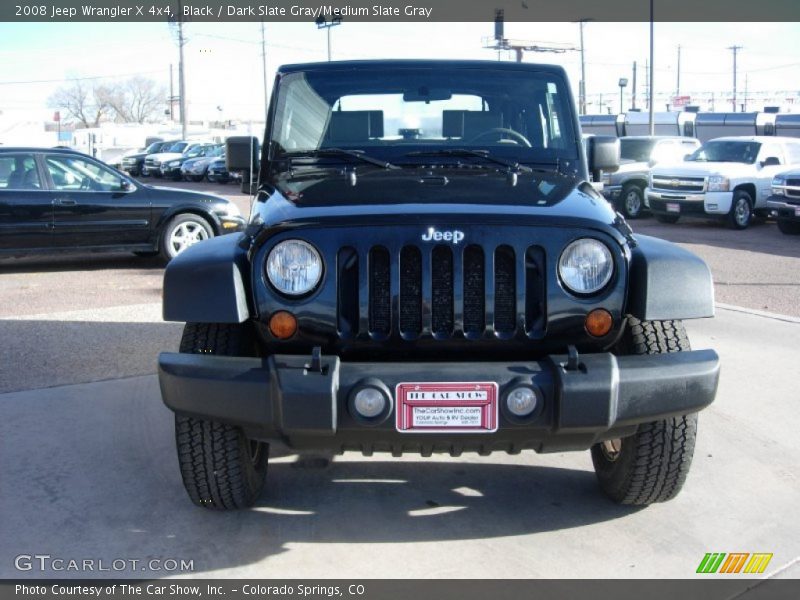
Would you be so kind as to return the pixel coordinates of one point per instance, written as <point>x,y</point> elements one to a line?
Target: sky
<point>224,67</point>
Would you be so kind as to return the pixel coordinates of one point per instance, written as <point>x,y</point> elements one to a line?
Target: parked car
<point>133,164</point>
<point>218,172</point>
<point>728,178</point>
<point>171,167</point>
<point>638,154</point>
<point>152,163</point>
<point>54,200</point>
<point>458,288</point>
<point>195,169</point>
<point>785,201</point>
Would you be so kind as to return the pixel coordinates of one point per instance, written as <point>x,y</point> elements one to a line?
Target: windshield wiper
<point>357,154</point>
<point>473,153</point>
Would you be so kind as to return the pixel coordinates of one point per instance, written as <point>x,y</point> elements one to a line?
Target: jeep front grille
<point>441,291</point>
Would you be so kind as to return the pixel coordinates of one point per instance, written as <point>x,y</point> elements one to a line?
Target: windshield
<point>153,148</point>
<point>179,147</point>
<point>390,113</point>
<point>727,151</point>
<point>636,150</point>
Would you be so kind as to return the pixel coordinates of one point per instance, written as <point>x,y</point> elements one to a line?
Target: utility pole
<point>264,67</point>
<point>633,90</point>
<point>646,84</point>
<point>735,50</point>
<point>171,96</point>
<point>744,104</point>
<point>582,91</point>
<point>678,84</point>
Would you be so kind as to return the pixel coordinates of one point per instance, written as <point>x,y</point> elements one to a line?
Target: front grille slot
<point>410,291</point>
<point>442,291</point>
<point>505,290</point>
<point>535,298</point>
<point>380,299</point>
<point>793,188</point>
<point>474,290</point>
<point>347,292</point>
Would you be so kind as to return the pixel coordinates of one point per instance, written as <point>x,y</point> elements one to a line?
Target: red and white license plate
<point>673,207</point>
<point>797,211</point>
<point>468,407</point>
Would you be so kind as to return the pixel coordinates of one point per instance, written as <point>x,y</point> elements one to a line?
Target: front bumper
<point>710,203</point>
<point>786,210</point>
<point>170,171</point>
<point>282,398</point>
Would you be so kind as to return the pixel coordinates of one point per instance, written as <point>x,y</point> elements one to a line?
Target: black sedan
<point>52,200</point>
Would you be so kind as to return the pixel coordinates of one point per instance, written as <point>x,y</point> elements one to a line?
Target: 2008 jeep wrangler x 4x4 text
<point>427,269</point>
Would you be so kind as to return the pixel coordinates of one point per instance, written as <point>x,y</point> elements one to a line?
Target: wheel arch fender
<point>208,282</point>
<point>667,282</point>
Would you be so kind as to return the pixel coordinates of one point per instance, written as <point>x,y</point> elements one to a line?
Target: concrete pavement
<point>88,471</point>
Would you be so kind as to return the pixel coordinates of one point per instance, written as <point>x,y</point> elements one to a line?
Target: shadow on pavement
<point>90,471</point>
<point>78,261</point>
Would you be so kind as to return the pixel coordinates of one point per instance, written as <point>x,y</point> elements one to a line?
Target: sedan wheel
<point>182,232</point>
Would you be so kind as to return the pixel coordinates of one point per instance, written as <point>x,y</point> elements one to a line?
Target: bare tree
<point>86,104</point>
<point>136,100</point>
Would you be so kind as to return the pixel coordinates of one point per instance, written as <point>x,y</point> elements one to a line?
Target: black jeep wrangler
<point>427,269</point>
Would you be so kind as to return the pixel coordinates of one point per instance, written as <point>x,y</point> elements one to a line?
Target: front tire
<point>788,227</point>
<point>632,201</point>
<point>651,465</point>
<point>221,468</point>
<point>741,210</point>
<point>181,232</point>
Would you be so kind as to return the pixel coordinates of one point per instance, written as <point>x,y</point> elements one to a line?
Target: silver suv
<point>625,188</point>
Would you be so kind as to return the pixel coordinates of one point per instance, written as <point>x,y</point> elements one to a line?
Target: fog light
<point>369,402</point>
<point>599,322</point>
<point>283,325</point>
<point>521,401</point>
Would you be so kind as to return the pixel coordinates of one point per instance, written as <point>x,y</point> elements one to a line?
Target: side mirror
<point>125,185</point>
<point>241,153</point>
<point>770,161</point>
<point>687,156</point>
<point>602,155</point>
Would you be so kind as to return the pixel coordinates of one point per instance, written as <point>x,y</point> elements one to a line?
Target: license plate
<point>797,211</point>
<point>673,207</point>
<point>468,407</point>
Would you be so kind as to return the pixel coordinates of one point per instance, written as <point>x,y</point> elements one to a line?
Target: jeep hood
<point>313,194</point>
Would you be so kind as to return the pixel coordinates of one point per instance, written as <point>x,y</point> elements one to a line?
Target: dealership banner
<point>418,589</point>
<point>399,10</point>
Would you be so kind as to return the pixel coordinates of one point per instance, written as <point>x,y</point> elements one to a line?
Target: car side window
<point>73,173</point>
<point>19,172</point>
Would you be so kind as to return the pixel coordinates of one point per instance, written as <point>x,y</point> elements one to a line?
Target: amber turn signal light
<point>282,325</point>
<point>599,322</point>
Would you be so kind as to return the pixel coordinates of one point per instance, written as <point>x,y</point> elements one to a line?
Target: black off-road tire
<point>651,465</point>
<point>667,218</point>
<point>221,468</point>
<point>788,227</point>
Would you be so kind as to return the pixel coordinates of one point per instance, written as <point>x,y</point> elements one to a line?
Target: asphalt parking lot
<point>88,467</point>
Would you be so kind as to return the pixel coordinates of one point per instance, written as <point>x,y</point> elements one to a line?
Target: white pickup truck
<point>727,177</point>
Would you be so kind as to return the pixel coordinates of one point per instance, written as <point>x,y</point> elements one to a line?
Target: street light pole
<point>264,67</point>
<point>583,73</point>
<point>652,70</point>
<point>623,81</point>
<point>323,23</point>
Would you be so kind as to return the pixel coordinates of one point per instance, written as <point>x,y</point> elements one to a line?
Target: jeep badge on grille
<point>432,234</point>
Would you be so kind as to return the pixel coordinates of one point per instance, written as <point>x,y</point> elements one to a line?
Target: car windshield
<point>179,147</point>
<point>399,114</point>
<point>153,148</point>
<point>727,151</point>
<point>636,150</point>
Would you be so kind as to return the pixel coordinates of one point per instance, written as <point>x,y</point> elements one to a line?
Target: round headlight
<point>586,266</point>
<point>294,267</point>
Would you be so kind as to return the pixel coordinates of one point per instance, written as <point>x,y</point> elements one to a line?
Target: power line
<point>88,78</point>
